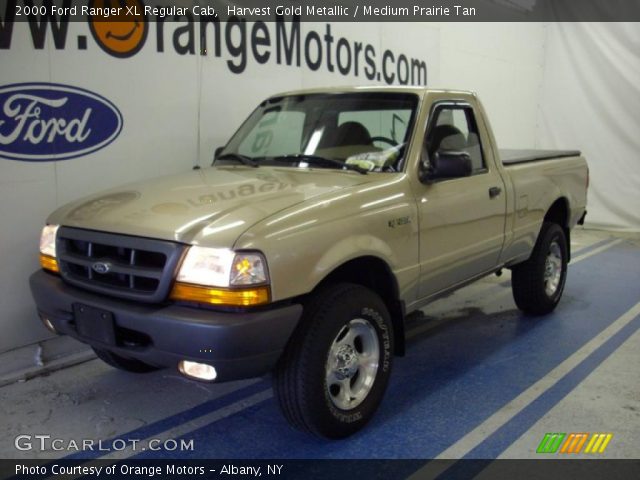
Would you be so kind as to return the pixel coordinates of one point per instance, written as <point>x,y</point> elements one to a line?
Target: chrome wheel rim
<point>553,269</point>
<point>352,364</point>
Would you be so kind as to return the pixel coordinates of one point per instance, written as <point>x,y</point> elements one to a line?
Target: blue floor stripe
<point>180,418</point>
<point>453,377</point>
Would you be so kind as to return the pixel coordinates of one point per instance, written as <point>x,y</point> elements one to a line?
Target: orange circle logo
<point>119,26</point>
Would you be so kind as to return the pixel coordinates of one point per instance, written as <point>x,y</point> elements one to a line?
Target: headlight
<point>206,266</point>
<point>48,240</point>
<point>222,277</point>
<point>48,248</point>
<point>219,267</point>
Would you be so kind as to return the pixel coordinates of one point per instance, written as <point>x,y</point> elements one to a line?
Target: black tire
<point>307,397</point>
<point>531,281</point>
<point>122,363</point>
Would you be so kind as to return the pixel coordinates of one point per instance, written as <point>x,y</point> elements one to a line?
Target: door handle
<point>494,192</point>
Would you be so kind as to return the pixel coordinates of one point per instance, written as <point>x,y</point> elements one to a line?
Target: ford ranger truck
<point>328,217</point>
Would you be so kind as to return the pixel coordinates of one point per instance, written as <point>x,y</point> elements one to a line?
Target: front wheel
<point>335,369</point>
<point>538,283</point>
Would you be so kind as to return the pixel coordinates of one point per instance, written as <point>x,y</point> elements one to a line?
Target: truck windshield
<point>364,131</point>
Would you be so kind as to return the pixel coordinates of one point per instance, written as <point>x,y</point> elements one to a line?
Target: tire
<point>323,380</point>
<point>122,363</point>
<point>538,283</point>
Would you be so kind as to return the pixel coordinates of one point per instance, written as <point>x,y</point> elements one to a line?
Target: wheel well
<point>559,213</point>
<point>375,274</point>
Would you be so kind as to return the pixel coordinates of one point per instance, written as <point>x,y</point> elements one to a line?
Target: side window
<point>455,128</point>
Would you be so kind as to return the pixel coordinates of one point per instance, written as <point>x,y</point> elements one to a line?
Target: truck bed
<point>511,157</point>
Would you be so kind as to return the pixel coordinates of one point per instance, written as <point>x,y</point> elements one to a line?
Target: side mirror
<point>446,164</point>
<point>217,152</point>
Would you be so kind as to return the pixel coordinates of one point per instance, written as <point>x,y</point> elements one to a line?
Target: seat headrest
<point>352,133</point>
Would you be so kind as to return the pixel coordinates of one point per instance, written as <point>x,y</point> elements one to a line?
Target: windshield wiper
<point>240,158</point>
<point>318,159</point>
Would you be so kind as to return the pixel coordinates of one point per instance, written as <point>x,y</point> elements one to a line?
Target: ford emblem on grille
<point>101,267</point>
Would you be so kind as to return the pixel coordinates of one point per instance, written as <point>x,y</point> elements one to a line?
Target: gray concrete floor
<point>90,400</point>
<point>94,401</point>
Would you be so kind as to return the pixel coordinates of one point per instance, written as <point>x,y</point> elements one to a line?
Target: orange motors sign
<point>122,28</point>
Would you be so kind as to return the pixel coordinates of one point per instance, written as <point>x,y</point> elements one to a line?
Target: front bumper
<point>238,344</point>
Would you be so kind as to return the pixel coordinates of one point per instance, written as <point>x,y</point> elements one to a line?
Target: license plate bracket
<point>94,323</point>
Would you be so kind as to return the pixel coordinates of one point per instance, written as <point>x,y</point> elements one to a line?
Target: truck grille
<point>124,266</point>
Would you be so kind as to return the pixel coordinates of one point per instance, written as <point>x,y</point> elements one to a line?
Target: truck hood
<point>211,207</point>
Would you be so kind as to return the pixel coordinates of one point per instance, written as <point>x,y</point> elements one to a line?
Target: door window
<point>454,128</point>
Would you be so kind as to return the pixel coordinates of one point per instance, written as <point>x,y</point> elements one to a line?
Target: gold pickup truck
<point>328,217</point>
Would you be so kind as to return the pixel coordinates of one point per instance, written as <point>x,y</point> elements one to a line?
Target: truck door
<point>462,220</point>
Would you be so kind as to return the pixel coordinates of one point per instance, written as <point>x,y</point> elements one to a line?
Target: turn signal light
<point>49,263</point>
<point>241,297</point>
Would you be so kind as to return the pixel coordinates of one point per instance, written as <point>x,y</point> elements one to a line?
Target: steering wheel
<point>388,140</point>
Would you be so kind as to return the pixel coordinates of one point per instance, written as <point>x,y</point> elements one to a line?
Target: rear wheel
<point>122,363</point>
<point>538,283</point>
<point>335,369</point>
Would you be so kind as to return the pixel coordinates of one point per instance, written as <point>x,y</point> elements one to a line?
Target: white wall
<point>178,108</point>
<point>503,63</point>
<point>591,101</point>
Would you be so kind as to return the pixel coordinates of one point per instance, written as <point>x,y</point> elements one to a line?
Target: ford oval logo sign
<point>101,267</point>
<point>47,122</point>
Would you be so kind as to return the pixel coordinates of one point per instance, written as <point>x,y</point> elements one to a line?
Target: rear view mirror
<point>446,164</point>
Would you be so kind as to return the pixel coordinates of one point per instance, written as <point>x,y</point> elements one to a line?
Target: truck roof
<point>375,88</point>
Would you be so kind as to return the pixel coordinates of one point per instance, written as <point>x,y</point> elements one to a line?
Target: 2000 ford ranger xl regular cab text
<point>327,218</point>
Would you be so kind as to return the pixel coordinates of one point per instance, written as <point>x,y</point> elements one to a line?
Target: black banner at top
<point>328,10</point>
